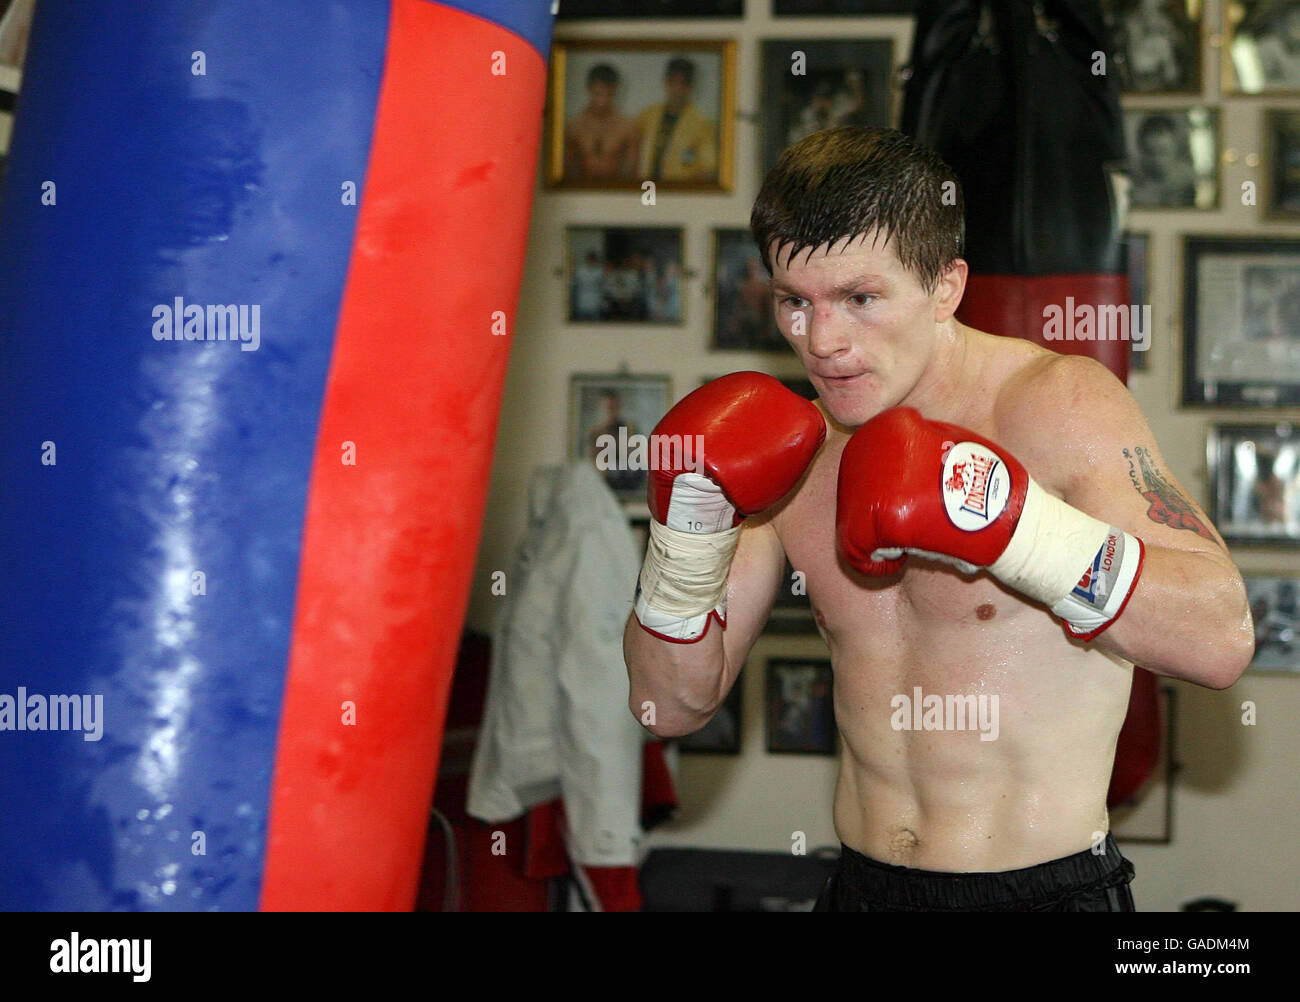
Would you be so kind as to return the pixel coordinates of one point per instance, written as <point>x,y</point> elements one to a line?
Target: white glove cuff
<point>1079,566</point>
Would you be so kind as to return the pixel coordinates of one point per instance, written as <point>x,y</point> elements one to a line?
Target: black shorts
<point>1084,882</point>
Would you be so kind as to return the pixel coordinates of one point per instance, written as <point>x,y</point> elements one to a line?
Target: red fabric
<point>534,843</point>
<point>616,887</point>
<point>490,881</point>
<point>1013,305</point>
<point>658,795</point>
<point>1138,749</point>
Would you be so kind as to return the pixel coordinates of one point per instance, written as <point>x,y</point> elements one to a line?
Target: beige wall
<point>1237,800</point>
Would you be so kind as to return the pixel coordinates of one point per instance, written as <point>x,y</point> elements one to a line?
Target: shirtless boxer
<point>1005,526</point>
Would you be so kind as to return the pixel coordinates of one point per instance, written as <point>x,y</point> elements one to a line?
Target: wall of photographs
<point>630,301</point>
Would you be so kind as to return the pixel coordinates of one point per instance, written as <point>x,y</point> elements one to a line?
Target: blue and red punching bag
<point>261,269</point>
<point>1013,95</point>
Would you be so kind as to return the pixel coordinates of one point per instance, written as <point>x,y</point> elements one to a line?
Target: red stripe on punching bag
<point>415,383</point>
<point>1013,305</point>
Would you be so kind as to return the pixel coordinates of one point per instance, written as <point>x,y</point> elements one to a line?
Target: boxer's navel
<point>903,843</point>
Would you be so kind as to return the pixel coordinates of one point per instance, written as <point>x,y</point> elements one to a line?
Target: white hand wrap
<point>1079,566</point>
<point>684,577</point>
<point>683,580</point>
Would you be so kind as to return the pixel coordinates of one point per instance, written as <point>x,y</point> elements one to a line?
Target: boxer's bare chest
<point>926,608</point>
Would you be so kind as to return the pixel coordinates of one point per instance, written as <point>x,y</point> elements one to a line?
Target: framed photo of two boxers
<point>607,413</point>
<point>624,274</point>
<point>1255,482</point>
<point>623,113</point>
<point>813,84</point>
<point>1241,321</point>
<point>1274,607</point>
<point>800,707</point>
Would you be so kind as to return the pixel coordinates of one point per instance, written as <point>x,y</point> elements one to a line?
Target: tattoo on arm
<point>1168,505</point>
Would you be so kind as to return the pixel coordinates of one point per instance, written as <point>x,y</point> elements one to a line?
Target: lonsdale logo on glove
<point>976,486</point>
<point>995,517</point>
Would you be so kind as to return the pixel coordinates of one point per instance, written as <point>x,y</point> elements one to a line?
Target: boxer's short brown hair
<point>851,180</point>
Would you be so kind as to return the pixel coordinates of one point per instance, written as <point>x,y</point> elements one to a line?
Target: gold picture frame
<point>622,113</point>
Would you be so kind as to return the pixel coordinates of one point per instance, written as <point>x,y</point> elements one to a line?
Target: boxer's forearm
<point>1187,618</point>
<point>673,688</point>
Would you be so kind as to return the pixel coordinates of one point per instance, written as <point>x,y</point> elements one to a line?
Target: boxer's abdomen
<point>1016,771</point>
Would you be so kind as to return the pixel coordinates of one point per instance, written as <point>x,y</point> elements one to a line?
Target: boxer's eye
<point>865,297</point>
<point>792,302</point>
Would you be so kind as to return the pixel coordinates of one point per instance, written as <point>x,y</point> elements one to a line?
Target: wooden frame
<point>617,153</point>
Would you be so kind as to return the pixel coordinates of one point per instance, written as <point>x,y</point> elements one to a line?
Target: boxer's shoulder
<point>1051,408</point>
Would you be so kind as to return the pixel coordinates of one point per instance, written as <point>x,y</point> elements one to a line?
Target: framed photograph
<point>800,707</point>
<point>822,8</point>
<point>1277,623</point>
<point>15,27</point>
<point>743,318</point>
<point>623,113</point>
<point>607,416</point>
<point>645,10</point>
<point>1255,482</point>
<point>1135,250</point>
<point>624,274</point>
<point>1149,816</point>
<point>1156,44</point>
<point>1173,157</point>
<point>816,83</point>
<point>1263,46</point>
<point>15,30</point>
<point>1281,195</point>
<point>721,735</point>
<point>1241,321</point>
<point>640,527</point>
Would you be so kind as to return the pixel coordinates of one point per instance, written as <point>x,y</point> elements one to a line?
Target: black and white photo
<point>1274,608</point>
<point>1173,157</point>
<point>1263,46</point>
<point>1255,482</point>
<point>1241,321</point>
<point>1157,44</point>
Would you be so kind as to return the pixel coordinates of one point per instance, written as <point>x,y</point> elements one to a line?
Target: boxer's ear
<point>950,288</point>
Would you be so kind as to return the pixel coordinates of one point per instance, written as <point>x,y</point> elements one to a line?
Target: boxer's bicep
<point>1115,470</point>
<point>752,587</point>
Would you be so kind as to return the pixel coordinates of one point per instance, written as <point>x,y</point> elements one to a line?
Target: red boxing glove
<point>734,447</point>
<point>908,485</point>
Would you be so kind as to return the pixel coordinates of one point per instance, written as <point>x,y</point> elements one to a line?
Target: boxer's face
<point>600,96</point>
<point>870,328</point>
